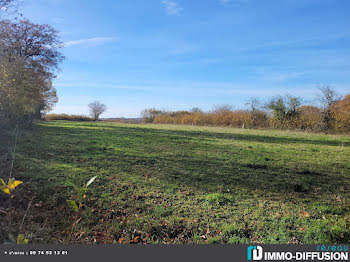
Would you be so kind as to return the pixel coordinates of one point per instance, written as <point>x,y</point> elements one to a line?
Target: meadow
<point>179,184</point>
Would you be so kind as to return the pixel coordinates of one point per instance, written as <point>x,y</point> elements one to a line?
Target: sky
<point>180,54</point>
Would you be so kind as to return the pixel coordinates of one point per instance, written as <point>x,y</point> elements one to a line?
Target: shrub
<point>309,118</point>
<point>148,115</point>
<point>285,111</point>
<point>163,119</point>
<point>259,119</point>
<point>340,116</point>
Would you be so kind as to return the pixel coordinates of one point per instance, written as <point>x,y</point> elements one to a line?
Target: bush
<point>148,115</point>
<point>309,118</point>
<point>340,116</point>
<point>163,119</point>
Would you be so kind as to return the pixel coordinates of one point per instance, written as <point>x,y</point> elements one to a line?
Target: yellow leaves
<point>6,191</point>
<point>10,186</point>
<point>21,240</point>
<point>14,183</point>
<point>121,240</point>
<point>304,214</point>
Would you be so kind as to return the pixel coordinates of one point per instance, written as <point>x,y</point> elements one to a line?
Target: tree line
<point>96,109</point>
<point>29,58</point>
<point>281,112</point>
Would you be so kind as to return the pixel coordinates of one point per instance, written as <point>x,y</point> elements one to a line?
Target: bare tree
<point>223,108</point>
<point>96,109</point>
<point>196,110</point>
<point>5,5</point>
<point>258,115</point>
<point>327,99</point>
<point>254,104</point>
<point>10,9</point>
<point>328,96</point>
<point>148,115</point>
<point>293,103</point>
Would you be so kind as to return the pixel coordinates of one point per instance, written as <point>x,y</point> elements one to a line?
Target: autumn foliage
<point>284,113</point>
<point>239,118</point>
<point>309,118</point>
<point>29,56</point>
<point>340,112</point>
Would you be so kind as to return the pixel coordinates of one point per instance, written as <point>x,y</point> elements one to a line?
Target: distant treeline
<point>87,118</point>
<point>281,112</point>
<point>68,117</point>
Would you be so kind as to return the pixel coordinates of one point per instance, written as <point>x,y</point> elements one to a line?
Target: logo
<point>323,253</point>
<point>255,253</point>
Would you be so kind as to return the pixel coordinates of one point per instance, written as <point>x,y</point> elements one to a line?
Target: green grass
<point>184,184</point>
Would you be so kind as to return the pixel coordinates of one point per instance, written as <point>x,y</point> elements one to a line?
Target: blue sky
<point>179,54</point>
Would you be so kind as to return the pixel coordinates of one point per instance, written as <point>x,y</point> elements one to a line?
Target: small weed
<point>218,198</point>
<point>214,240</point>
<point>80,194</point>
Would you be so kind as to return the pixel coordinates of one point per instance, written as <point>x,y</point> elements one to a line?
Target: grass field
<point>183,184</point>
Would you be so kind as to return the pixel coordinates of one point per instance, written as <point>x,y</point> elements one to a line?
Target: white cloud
<point>90,42</point>
<point>172,8</point>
